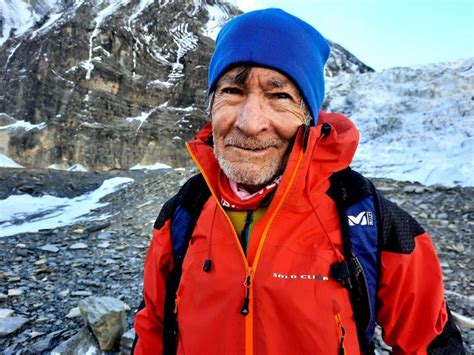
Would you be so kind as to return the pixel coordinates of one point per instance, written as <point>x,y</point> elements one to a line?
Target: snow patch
<point>185,41</point>
<point>20,16</point>
<point>24,125</point>
<point>101,16</point>
<point>28,214</point>
<point>142,118</point>
<point>181,109</point>
<point>160,83</point>
<point>158,56</point>
<point>47,25</point>
<point>6,162</point>
<point>217,16</point>
<point>12,52</point>
<point>75,167</point>
<point>155,166</point>
<point>139,9</point>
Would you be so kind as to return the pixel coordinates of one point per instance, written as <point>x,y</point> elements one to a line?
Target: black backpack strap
<point>183,210</point>
<point>188,205</point>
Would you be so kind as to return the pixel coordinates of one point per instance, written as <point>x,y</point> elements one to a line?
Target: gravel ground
<point>105,258</point>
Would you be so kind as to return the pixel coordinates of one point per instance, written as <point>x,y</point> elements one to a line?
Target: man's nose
<point>253,116</point>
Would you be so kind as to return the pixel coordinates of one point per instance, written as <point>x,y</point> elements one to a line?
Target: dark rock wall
<point>84,77</point>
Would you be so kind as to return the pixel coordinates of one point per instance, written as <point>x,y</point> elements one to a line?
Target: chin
<point>247,173</point>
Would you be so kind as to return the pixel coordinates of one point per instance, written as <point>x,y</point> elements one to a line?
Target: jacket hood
<point>336,150</point>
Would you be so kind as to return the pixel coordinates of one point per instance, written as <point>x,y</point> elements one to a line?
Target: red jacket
<point>295,306</point>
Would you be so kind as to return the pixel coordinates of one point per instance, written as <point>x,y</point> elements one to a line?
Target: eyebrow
<point>227,79</point>
<point>278,83</point>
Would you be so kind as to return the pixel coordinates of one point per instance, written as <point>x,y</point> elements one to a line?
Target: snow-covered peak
<point>18,16</point>
<point>416,123</point>
<point>218,16</point>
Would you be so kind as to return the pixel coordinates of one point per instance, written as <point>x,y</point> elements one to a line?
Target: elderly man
<point>257,254</point>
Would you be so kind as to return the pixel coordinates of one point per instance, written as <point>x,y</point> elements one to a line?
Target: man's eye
<point>231,91</point>
<point>282,95</point>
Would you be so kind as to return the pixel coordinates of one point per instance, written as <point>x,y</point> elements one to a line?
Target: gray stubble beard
<point>249,176</point>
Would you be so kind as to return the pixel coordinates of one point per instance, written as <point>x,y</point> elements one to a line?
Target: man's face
<point>253,122</point>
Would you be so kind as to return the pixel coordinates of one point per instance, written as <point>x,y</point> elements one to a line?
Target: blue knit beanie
<point>274,39</point>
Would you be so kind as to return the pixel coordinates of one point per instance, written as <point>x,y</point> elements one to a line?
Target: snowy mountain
<point>416,123</point>
<point>18,17</point>
<point>108,84</point>
<point>115,84</point>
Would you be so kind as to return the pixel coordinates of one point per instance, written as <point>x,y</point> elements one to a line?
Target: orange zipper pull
<point>340,328</point>
<point>176,303</point>
<point>248,280</point>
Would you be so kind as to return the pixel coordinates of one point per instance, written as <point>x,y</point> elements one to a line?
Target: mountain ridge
<point>113,93</point>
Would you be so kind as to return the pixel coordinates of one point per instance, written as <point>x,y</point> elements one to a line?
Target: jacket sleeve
<point>412,311</point>
<point>149,320</point>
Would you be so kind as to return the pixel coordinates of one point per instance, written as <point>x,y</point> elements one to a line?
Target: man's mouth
<point>252,149</point>
<point>250,145</point>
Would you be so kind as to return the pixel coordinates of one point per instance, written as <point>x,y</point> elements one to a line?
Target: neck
<point>252,188</point>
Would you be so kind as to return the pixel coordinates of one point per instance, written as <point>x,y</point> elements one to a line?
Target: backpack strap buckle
<point>341,272</point>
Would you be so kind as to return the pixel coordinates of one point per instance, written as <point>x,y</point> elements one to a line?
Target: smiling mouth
<point>250,149</point>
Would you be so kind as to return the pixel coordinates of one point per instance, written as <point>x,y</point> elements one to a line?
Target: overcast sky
<point>388,33</point>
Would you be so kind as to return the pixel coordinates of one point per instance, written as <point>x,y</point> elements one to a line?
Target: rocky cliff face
<point>110,84</point>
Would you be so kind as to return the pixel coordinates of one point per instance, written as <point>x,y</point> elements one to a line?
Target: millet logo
<point>365,218</point>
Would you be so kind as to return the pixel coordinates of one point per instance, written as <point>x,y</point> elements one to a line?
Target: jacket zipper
<point>248,281</point>
<point>247,307</point>
<point>341,331</point>
<point>176,304</point>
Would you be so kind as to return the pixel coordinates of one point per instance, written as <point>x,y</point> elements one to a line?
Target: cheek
<point>223,119</point>
<point>287,121</point>
<point>287,129</point>
<point>220,125</point>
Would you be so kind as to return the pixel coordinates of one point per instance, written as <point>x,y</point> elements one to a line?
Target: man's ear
<point>210,102</point>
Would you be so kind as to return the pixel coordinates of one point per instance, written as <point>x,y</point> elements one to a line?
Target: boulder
<point>50,248</point>
<point>83,342</point>
<point>10,325</point>
<point>106,317</point>
<point>47,343</point>
<point>5,312</point>
<point>78,246</point>
<point>73,313</point>
<point>127,342</point>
